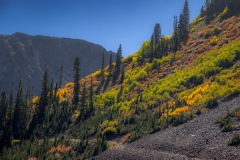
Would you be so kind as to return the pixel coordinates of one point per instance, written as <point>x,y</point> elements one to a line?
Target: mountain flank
<point>27,57</point>
<point>177,97</point>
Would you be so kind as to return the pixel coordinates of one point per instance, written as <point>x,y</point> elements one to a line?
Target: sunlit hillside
<point>151,92</point>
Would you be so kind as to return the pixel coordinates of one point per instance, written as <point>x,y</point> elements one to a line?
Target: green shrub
<point>235,140</point>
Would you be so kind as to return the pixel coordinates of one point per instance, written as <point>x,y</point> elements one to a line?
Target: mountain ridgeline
<point>185,87</point>
<point>27,57</point>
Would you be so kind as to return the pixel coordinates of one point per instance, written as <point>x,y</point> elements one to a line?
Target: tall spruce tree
<point>181,33</point>
<point>175,34</point>
<point>91,98</point>
<point>3,110</point>
<point>186,16</point>
<point>118,63</point>
<point>44,99</point>
<point>157,36</point>
<point>10,108</point>
<point>76,77</point>
<point>19,115</point>
<point>110,66</point>
<point>102,67</point>
<point>61,76</point>
<point>152,47</point>
<point>122,73</point>
<point>83,99</point>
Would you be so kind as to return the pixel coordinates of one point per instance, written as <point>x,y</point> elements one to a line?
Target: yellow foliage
<point>214,40</point>
<point>69,85</point>
<point>196,95</point>
<point>62,94</point>
<point>178,111</point>
<point>224,13</point>
<point>35,100</point>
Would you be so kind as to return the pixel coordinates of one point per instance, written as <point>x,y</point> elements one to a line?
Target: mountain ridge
<point>31,55</point>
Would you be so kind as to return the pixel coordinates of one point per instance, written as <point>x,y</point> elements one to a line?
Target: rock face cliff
<point>26,57</point>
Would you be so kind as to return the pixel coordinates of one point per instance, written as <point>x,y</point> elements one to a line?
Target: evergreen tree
<point>118,64</point>
<point>44,99</point>
<point>186,16</point>
<point>122,74</point>
<point>110,65</point>
<point>76,87</point>
<point>91,98</point>
<point>157,36</point>
<point>3,110</point>
<point>83,99</point>
<point>10,108</point>
<point>152,47</point>
<point>61,76</point>
<point>202,12</point>
<point>181,33</point>
<point>18,122</point>
<point>51,91</point>
<point>102,67</point>
<point>175,34</point>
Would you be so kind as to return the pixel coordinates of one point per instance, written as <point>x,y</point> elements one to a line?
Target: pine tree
<point>110,66</point>
<point>202,12</point>
<point>175,34</point>
<point>118,63</point>
<point>44,99</point>
<point>61,76</point>
<point>19,115</point>
<point>102,67</point>
<point>152,47</point>
<point>76,87</point>
<point>91,98</point>
<point>10,108</point>
<point>186,17</point>
<point>83,99</point>
<point>157,36</point>
<point>122,74</point>
<point>181,33</point>
<point>3,110</point>
<point>51,91</point>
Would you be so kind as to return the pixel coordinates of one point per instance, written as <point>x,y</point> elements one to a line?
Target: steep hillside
<point>176,88</point>
<point>27,57</point>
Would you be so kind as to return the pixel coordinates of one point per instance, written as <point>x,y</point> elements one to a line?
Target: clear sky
<point>104,22</point>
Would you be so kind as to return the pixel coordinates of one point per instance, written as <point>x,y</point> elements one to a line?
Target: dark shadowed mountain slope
<point>26,57</point>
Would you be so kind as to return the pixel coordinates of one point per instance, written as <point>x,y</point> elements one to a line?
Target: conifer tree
<point>51,91</point>
<point>76,87</point>
<point>102,67</point>
<point>44,99</point>
<point>122,74</point>
<point>202,12</point>
<point>152,47</point>
<point>83,99</point>
<point>118,63</point>
<point>19,122</point>
<point>181,33</point>
<point>61,76</point>
<point>175,34</point>
<point>10,108</point>
<point>3,110</point>
<point>157,35</point>
<point>110,65</point>
<point>91,98</point>
<point>186,16</point>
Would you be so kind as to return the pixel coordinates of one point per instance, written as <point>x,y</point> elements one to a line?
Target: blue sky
<point>104,22</point>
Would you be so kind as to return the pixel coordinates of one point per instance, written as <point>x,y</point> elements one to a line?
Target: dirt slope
<point>200,138</point>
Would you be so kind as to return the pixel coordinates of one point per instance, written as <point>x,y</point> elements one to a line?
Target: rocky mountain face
<point>26,57</point>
